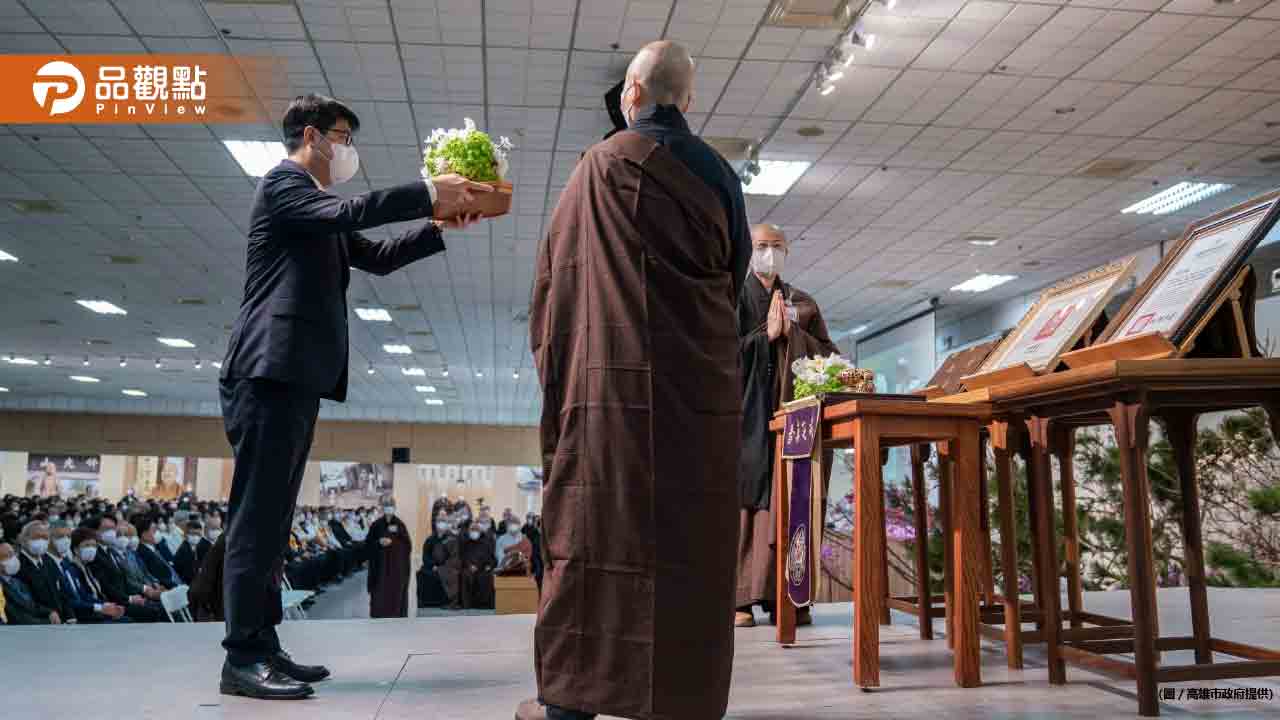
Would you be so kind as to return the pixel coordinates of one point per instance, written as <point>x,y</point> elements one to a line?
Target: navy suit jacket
<point>45,583</point>
<point>187,562</point>
<point>79,595</point>
<point>303,241</point>
<point>159,568</point>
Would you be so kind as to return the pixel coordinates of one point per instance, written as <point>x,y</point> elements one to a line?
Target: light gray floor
<point>465,667</point>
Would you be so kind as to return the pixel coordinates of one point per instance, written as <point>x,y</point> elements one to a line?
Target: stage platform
<point>470,667</point>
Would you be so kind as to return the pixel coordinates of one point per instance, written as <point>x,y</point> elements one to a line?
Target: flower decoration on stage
<point>468,152</point>
<point>829,374</point>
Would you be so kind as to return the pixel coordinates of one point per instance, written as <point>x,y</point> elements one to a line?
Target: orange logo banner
<point>134,89</point>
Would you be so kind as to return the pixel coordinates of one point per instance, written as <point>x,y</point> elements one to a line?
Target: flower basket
<point>471,153</point>
<point>826,375</point>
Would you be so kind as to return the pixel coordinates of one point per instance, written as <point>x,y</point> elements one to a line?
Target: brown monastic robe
<point>388,568</point>
<point>478,559</point>
<point>633,335</point>
<point>767,383</point>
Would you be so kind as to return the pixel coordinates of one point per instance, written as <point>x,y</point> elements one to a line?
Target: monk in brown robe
<point>633,335</point>
<point>478,560</point>
<point>779,324</point>
<point>389,547</point>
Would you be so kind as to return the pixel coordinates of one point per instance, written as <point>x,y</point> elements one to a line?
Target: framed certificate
<point>1061,315</point>
<point>1192,274</point>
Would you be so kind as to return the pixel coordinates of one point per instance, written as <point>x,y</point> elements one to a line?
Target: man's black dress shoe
<point>302,673</point>
<point>261,681</point>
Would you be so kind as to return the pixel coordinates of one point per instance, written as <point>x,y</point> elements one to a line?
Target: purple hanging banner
<point>801,432</point>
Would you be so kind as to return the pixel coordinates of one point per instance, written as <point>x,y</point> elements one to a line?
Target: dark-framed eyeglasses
<point>345,137</point>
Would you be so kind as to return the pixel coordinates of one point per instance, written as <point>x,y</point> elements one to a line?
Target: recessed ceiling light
<point>1175,198</point>
<point>159,364</point>
<point>982,241</point>
<point>6,257</point>
<point>133,393</point>
<point>20,361</point>
<point>373,314</point>
<point>398,349</point>
<point>48,360</point>
<point>516,375</point>
<point>199,364</point>
<point>255,156</point>
<point>425,388</point>
<point>176,342</point>
<point>370,370</point>
<point>858,330</point>
<point>826,90</point>
<point>124,362</point>
<point>102,307</point>
<point>982,283</point>
<point>85,379</point>
<point>4,389</point>
<point>444,373</point>
<point>86,361</point>
<point>414,372</point>
<point>776,177</point>
<point>434,401</point>
<point>217,364</point>
<point>479,374</point>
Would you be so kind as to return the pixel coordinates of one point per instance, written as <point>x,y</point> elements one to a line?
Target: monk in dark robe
<point>389,547</point>
<point>633,336</point>
<point>478,560</point>
<point>435,554</point>
<point>779,324</point>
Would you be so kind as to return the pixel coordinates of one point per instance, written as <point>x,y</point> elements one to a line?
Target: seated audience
<point>20,606</point>
<point>39,571</point>
<point>205,594</point>
<point>477,564</point>
<point>81,590</point>
<point>108,569</point>
<point>435,556</point>
<point>150,541</point>
<point>192,553</point>
<point>514,551</point>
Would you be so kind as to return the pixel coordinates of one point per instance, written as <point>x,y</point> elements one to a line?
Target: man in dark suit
<point>107,568</point>
<point>20,607</point>
<point>190,556</point>
<point>149,551</point>
<point>82,592</point>
<point>289,348</point>
<point>39,570</point>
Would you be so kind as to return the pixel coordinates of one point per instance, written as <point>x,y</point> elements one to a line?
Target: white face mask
<point>442,527</point>
<point>214,535</point>
<point>122,543</point>
<point>513,528</point>
<point>344,162</point>
<point>87,554</point>
<point>474,534</point>
<point>11,566</point>
<point>62,545</point>
<point>107,536</point>
<point>768,260</point>
<point>193,540</point>
<point>38,547</point>
<point>133,543</point>
<point>388,510</point>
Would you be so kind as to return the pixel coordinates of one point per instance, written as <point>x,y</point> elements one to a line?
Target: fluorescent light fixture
<point>985,243</point>
<point>445,373</point>
<point>871,41</point>
<point>6,257</point>
<point>1176,198</point>
<point>826,90</point>
<point>85,379</point>
<point>20,361</point>
<point>102,307</point>
<point>837,75</point>
<point>176,342</point>
<point>414,372</point>
<point>982,283</point>
<point>4,389</point>
<point>479,374</point>
<point>776,177</point>
<point>434,401</point>
<point>133,393</point>
<point>217,364</point>
<point>858,330</point>
<point>398,349</point>
<point>425,388</point>
<point>255,156</point>
<point>373,314</point>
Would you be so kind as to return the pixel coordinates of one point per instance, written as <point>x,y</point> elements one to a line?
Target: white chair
<point>291,600</point>
<point>175,603</point>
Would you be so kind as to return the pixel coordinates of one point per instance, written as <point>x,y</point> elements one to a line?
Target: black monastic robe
<point>388,568</point>
<point>767,383</point>
<point>633,334</point>
<point>435,553</point>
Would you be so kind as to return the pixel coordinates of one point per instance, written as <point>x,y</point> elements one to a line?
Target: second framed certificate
<point>1057,321</point>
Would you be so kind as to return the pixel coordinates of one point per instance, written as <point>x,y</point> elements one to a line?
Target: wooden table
<point>1126,394</point>
<point>867,425</point>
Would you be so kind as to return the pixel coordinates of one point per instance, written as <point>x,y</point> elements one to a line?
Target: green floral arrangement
<point>834,373</point>
<point>468,152</point>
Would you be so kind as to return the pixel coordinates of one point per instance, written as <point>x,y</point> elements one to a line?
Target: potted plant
<point>471,153</point>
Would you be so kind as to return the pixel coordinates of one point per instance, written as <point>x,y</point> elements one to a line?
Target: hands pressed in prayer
<point>779,323</point>
<point>385,542</point>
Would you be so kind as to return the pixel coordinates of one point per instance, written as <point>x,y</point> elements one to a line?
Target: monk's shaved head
<point>663,71</point>
<point>768,234</point>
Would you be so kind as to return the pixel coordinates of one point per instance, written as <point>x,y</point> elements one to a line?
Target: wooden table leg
<point>984,507</point>
<point>920,503</point>
<point>1180,428</point>
<point>945,474</point>
<point>1002,434</point>
<point>966,559</point>
<point>885,617</point>
<point>784,611</point>
<point>1040,479</point>
<point>1037,560</point>
<point>1130,420</point>
<point>1064,448</point>
<point>869,531</point>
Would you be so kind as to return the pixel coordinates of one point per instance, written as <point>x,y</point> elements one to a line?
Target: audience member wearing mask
<point>435,556</point>
<point>82,592</point>
<point>514,542</point>
<point>108,569</point>
<point>20,606</point>
<point>39,570</point>
<point>477,569</point>
<point>127,544</point>
<point>149,553</point>
<point>534,533</point>
<point>206,592</point>
<point>190,556</point>
<point>389,547</point>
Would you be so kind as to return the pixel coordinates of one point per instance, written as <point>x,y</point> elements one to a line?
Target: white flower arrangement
<point>819,374</point>
<point>467,151</point>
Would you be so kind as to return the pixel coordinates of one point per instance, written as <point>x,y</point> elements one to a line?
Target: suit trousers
<point>270,426</point>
